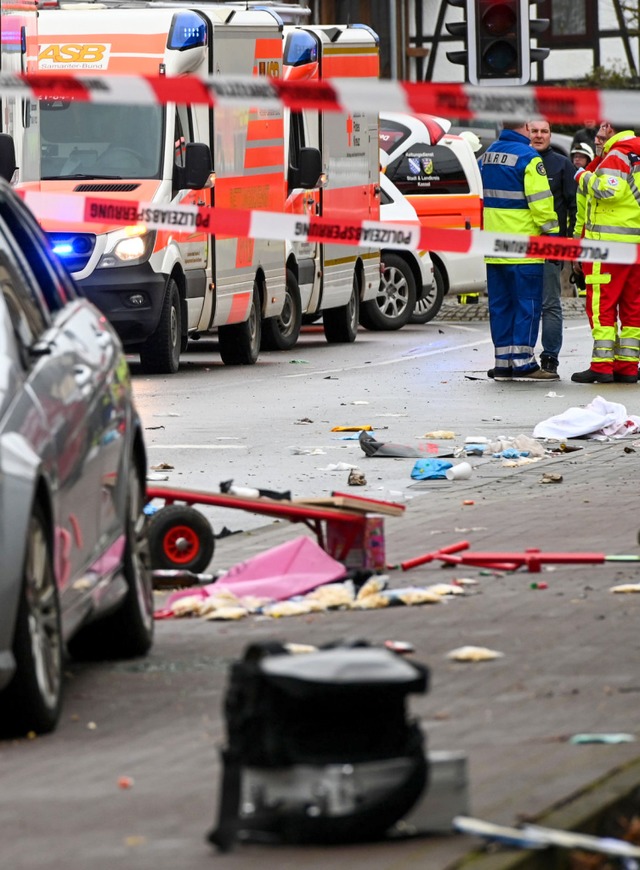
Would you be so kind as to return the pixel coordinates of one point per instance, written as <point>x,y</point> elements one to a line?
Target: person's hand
<point>576,266</point>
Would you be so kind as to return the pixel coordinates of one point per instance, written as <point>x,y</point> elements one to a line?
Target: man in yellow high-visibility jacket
<point>517,199</point>
<point>612,213</point>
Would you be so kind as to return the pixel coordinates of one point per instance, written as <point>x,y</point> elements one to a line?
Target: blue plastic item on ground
<point>430,469</point>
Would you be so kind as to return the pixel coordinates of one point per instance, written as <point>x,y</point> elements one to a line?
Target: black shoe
<point>500,373</point>
<point>625,379</point>
<point>589,376</point>
<point>549,364</point>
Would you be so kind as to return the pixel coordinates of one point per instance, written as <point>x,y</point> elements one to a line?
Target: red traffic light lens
<point>499,19</point>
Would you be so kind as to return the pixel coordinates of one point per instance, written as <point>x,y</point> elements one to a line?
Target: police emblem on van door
<point>427,165</point>
<point>414,165</point>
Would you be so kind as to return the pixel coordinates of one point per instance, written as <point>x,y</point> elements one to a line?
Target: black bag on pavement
<point>319,745</point>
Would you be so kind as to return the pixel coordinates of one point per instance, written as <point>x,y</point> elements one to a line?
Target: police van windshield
<point>91,140</point>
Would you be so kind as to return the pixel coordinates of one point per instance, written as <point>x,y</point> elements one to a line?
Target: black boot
<point>589,376</point>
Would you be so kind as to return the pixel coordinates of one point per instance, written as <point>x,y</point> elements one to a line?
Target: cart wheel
<point>180,537</point>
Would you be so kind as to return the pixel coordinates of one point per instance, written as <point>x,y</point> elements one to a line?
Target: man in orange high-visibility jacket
<point>612,213</point>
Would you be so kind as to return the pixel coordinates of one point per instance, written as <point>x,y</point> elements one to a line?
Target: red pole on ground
<point>429,557</point>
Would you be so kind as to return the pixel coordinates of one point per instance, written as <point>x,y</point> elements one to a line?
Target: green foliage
<point>615,78</point>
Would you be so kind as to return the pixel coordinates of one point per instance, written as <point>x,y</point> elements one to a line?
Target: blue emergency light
<point>188,30</point>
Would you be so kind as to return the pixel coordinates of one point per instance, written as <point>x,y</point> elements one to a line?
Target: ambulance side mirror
<point>7,157</point>
<point>309,168</point>
<point>197,169</point>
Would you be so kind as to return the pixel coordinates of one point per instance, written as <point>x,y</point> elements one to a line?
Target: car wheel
<point>180,538</point>
<point>395,299</point>
<point>282,332</point>
<point>239,343</point>
<point>128,631</point>
<point>33,698</point>
<point>426,308</point>
<point>160,354</point>
<point>341,324</point>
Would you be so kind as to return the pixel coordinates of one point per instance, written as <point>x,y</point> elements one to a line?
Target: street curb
<point>582,814</point>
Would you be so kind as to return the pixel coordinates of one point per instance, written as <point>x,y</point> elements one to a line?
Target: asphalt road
<point>131,777</point>
<point>269,426</point>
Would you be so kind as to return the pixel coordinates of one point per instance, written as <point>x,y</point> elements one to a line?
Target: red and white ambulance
<point>19,115</point>
<point>160,288</point>
<point>331,280</point>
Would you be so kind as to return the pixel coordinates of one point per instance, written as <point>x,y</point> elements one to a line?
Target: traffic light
<point>497,34</point>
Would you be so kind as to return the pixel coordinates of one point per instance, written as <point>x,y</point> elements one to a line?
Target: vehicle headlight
<point>128,247</point>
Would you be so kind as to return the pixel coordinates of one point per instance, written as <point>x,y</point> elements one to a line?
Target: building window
<point>572,22</point>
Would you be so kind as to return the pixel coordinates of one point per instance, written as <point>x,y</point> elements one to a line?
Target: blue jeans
<point>551,310</point>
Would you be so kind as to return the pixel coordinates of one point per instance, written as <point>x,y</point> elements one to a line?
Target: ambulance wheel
<point>341,324</point>
<point>426,308</point>
<point>396,297</point>
<point>160,354</point>
<point>180,538</point>
<point>239,343</point>
<point>282,332</point>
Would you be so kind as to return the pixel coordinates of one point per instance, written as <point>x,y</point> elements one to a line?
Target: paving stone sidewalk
<point>572,307</point>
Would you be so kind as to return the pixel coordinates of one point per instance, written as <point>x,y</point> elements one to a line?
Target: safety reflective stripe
<point>594,280</point>
<point>606,172</point>
<point>504,158</point>
<point>543,194</point>
<point>600,193</point>
<point>597,278</point>
<point>622,231</point>
<point>550,225</point>
<point>628,347</point>
<point>633,187</point>
<point>519,364</point>
<point>514,348</point>
<point>504,194</point>
<point>604,349</point>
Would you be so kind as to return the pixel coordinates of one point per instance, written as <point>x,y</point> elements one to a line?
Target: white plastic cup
<point>461,471</point>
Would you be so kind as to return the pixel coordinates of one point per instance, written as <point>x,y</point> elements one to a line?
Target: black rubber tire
<point>33,699</point>
<point>176,526</point>
<point>395,299</point>
<point>239,343</point>
<point>160,354</point>
<point>341,324</point>
<point>128,631</point>
<point>282,332</point>
<point>426,308</point>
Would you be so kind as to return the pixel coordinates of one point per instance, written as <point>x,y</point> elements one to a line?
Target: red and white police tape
<point>257,224</point>
<point>558,105</point>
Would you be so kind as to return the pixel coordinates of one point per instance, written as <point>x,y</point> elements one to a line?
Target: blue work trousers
<point>551,337</point>
<point>515,307</point>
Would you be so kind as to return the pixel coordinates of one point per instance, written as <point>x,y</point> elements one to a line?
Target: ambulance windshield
<point>91,140</point>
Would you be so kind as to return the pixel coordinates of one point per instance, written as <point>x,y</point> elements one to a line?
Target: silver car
<point>72,482</point>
